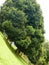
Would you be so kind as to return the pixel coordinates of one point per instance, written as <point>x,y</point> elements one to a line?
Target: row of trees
<point>23,23</point>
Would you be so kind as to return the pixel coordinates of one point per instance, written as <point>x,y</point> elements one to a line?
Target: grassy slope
<point>7,57</point>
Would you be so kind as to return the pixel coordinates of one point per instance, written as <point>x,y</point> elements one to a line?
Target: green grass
<point>7,57</point>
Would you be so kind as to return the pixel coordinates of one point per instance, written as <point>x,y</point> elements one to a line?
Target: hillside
<point>6,55</point>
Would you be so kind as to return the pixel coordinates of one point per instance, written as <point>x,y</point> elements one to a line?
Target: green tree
<point>46,46</point>
<point>22,21</point>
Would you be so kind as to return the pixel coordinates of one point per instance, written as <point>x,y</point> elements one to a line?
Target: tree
<point>44,59</point>
<point>23,23</point>
<point>46,46</point>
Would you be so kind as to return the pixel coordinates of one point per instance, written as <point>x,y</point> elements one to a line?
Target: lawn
<point>7,57</point>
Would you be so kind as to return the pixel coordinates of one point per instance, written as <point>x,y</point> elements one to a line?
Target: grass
<point>7,57</point>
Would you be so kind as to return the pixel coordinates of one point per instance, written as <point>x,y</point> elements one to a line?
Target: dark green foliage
<point>22,21</point>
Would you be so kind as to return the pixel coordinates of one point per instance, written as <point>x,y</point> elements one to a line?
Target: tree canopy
<point>23,23</point>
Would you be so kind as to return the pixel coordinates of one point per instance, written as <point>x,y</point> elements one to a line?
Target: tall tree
<point>23,23</point>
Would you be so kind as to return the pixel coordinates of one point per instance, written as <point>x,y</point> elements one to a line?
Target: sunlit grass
<point>6,56</point>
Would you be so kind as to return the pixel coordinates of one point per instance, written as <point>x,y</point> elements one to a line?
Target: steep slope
<point>6,56</point>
